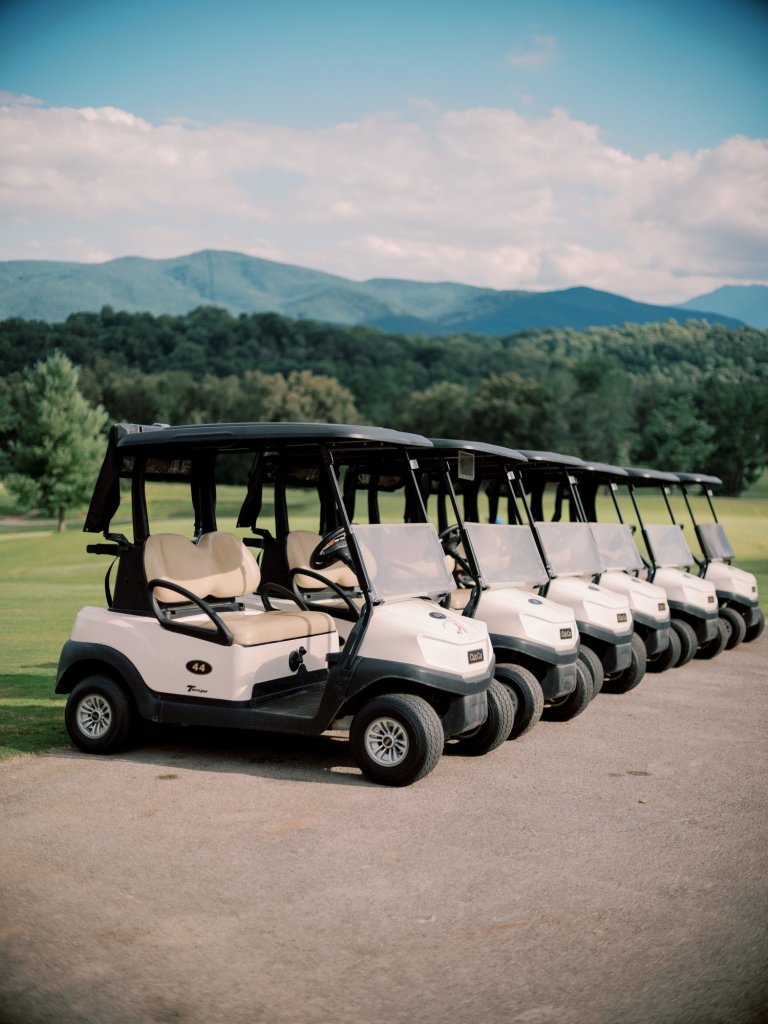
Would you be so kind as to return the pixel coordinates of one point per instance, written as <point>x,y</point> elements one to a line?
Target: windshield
<point>714,541</point>
<point>570,548</point>
<point>615,546</point>
<point>667,545</point>
<point>403,560</point>
<point>506,554</point>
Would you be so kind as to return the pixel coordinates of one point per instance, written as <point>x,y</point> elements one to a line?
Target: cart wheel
<point>497,726</point>
<point>397,739</point>
<point>631,676</point>
<point>100,716</point>
<point>736,626</point>
<point>566,708</point>
<point>594,667</point>
<point>526,692</point>
<point>688,642</point>
<point>712,648</point>
<point>668,658</point>
<point>753,632</point>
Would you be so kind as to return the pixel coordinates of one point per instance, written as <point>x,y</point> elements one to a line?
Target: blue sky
<point>600,131</point>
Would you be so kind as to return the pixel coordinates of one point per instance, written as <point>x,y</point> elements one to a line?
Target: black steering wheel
<point>332,548</point>
<point>450,539</point>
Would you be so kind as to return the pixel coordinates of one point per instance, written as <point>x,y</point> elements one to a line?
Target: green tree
<point>313,397</point>
<point>673,435</point>
<point>440,411</point>
<point>510,410</point>
<point>738,415</point>
<point>56,446</point>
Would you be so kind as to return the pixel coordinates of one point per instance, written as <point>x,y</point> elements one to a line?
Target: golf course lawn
<point>46,577</point>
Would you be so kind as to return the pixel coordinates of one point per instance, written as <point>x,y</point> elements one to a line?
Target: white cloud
<point>485,196</point>
<point>544,51</point>
<point>12,99</point>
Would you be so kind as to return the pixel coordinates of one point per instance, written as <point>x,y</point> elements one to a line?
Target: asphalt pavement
<point>610,870</point>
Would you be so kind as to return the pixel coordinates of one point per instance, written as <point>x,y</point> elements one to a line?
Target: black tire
<point>100,716</point>
<point>736,626</point>
<point>753,632</point>
<point>593,666</point>
<point>688,641</point>
<point>668,658</point>
<point>712,648</point>
<point>630,677</point>
<point>495,729</point>
<point>527,695</point>
<point>568,707</point>
<point>396,739</point>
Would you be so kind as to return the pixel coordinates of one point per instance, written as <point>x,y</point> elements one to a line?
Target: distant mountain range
<point>747,302</point>
<point>50,291</point>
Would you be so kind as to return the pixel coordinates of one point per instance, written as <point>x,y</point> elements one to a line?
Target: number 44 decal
<point>199,668</point>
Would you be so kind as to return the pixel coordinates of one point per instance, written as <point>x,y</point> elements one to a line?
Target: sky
<point>512,145</point>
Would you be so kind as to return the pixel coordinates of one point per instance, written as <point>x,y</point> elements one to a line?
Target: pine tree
<point>57,443</point>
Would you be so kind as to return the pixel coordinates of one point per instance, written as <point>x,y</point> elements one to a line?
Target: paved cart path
<point>612,869</point>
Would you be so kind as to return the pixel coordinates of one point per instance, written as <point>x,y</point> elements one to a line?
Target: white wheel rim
<point>386,742</point>
<point>94,716</point>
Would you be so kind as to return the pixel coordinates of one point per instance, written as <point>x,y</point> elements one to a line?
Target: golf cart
<point>568,550</point>
<point>692,600</point>
<point>535,641</point>
<point>736,589</point>
<point>655,645</point>
<point>184,639</point>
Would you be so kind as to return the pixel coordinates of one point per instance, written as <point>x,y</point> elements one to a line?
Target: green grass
<point>46,577</point>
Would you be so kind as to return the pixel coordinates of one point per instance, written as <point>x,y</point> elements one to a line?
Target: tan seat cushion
<point>299,547</point>
<point>219,565</point>
<point>272,627</point>
<point>460,599</point>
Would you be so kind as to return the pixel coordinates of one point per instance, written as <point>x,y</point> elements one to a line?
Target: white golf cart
<point>736,588</point>
<point>692,600</point>
<point>183,639</point>
<point>536,640</point>
<point>655,644</point>
<point>603,616</point>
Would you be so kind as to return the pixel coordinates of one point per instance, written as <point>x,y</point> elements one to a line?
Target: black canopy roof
<point>650,477</point>
<point>445,445</point>
<point>542,460</point>
<point>172,452</point>
<point>699,478</point>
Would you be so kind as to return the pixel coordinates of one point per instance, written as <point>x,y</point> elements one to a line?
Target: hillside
<point>748,303</point>
<point>51,291</point>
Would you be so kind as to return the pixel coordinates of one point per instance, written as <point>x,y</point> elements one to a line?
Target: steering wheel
<point>332,548</point>
<point>450,539</point>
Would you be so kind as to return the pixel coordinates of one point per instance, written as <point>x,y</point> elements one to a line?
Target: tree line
<point>675,396</point>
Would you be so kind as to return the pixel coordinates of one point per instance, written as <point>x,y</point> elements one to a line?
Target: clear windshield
<point>570,548</point>
<point>403,560</point>
<point>714,541</point>
<point>668,545</point>
<point>615,546</point>
<point>506,554</point>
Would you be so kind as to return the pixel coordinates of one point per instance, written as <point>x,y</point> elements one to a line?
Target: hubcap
<point>386,741</point>
<point>94,715</point>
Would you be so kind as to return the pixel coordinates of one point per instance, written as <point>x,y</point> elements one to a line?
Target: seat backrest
<point>299,547</point>
<point>219,565</point>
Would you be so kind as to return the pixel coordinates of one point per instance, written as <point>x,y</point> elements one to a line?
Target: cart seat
<point>220,566</point>
<point>460,598</point>
<point>299,547</point>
